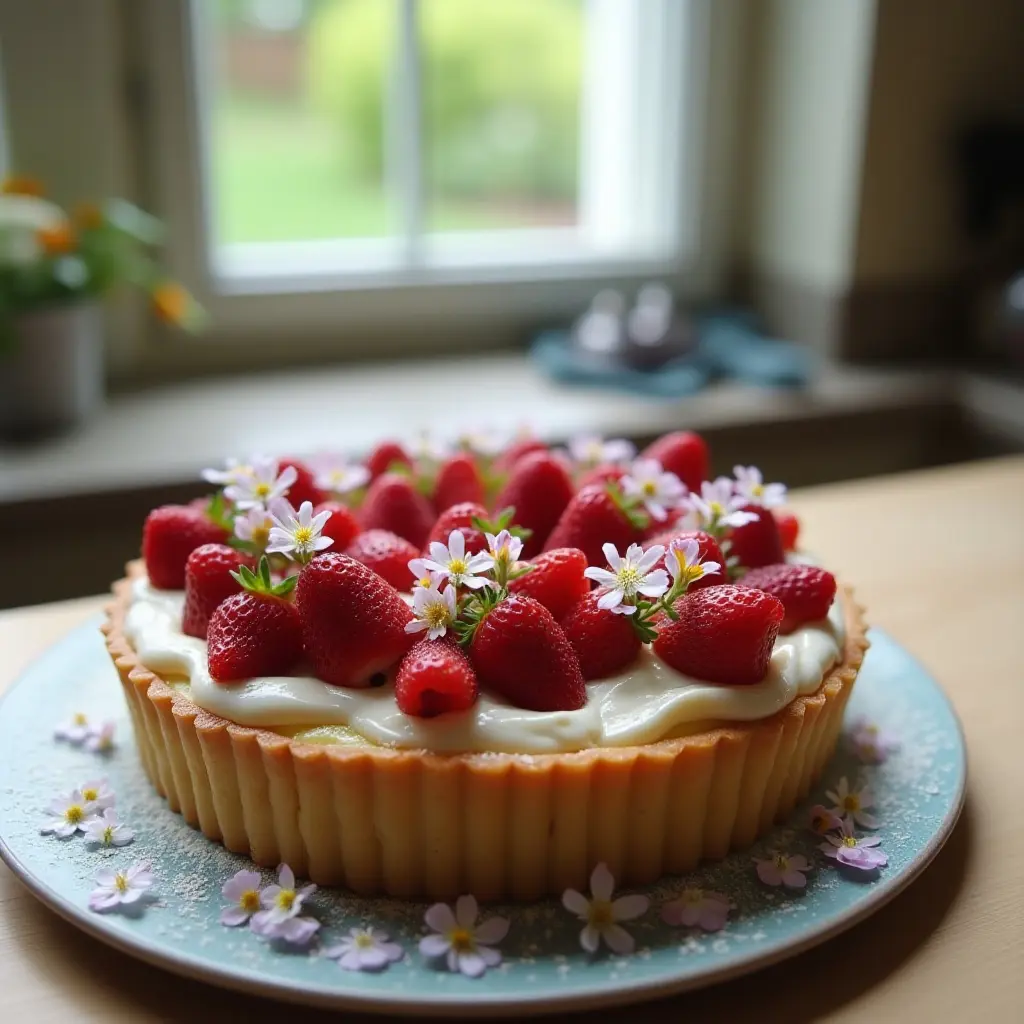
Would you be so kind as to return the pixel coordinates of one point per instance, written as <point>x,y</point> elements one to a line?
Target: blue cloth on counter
<point>729,345</point>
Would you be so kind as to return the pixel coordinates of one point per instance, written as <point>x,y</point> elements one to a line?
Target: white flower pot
<point>52,378</point>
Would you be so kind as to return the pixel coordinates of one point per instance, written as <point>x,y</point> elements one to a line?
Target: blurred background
<point>796,226</point>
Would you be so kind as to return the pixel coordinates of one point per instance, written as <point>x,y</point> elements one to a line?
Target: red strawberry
<point>385,455</point>
<point>516,451</point>
<point>256,632</point>
<point>556,580</point>
<point>393,503</point>
<point>805,591</point>
<point>460,517</point>
<point>435,677</point>
<point>723,634</point>
<point>171,534</point>
<point>521,652</point>
<point>458,481</point>
<point>591,519</point>
<point>605,643</point>
<point>353,621</point>
<point>708,549</point>
<point>387,554</point>
<point>757,543</point>
<point>539,489</point>
<point>208,581</point>
<point>682,453</point>
<point>342,527</point>
<point>789,528</point>
<point>602,474</point>
<point>304,488</point>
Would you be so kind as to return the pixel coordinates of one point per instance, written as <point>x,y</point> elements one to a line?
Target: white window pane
<point>296,119</point>
<point>501,112</point>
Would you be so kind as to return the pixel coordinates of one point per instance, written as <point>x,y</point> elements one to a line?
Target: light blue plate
<point>919,792</point>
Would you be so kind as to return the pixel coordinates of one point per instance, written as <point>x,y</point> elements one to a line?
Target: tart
<point>520,813</point>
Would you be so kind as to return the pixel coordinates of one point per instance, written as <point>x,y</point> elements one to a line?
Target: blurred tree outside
<point>299,125</point>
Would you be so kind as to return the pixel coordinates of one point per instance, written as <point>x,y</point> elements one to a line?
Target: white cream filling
<point>644,703</point>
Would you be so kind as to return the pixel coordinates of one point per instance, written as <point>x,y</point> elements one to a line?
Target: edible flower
<point>631,576</point>
<point>852,804</point>
<point>871,743</point>
<point>242,891</point>
<point>657,489</point>
<point>282,905</point>
<point>684,562</point>
<point>365,949</point>
<point>261,485</point>
<point>862,854</point>
<point>465,946</point>
<point>591,450</point>
<point>98,793</point>
<point>782,869</point>
<point>299,535</point>
<point>701,907</point>
<point>433,610</point>
<point>716,507</point>
<point>462,570</point>
<point>69,815</point>
<point>106,830</point>
<point>602,915</point>
<point>336,474</point>
<point>750,486</point>
<point>823,821</point>
<point>114,888</point>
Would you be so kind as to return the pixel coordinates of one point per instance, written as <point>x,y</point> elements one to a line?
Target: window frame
<point>411,306</point>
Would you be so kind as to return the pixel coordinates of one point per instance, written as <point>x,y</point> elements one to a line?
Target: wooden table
<point>938,558</point>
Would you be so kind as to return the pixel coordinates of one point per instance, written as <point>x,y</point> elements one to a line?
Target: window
<point>340,147</point>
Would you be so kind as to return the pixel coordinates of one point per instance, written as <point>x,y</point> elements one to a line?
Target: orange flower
<point>56,240</point>
<point>21,185</point>
<point>171,302</point>
<point>88,216</point>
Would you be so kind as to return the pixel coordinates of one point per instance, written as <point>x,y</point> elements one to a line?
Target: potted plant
<point>55,268</point>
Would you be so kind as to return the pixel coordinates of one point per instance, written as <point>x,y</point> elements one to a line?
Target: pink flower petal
<point>625,908</point>
<point>602,883</point>
<point>466,907</point>
<point>470,964</point>
<point>232,917</point>
<point>618,939</point>
<point>576,903</point>
<point>434,945</point>
<point>492,931</point>
<point>590,938</point>
<point>440,918</point>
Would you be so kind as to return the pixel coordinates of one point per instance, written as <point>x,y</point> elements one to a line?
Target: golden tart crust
<point>409,823</point>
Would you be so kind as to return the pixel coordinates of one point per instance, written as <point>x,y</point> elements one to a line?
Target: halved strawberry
<point>304,488</point>
<point>789,528</point>
<point>605,643</point>
<point>758,542</point>
<point>556,580</point>
<point>460,517</point>
<point>520,651</point>
<point>387,554</point>
<point>683,453</point>
<point>208,581</point>
<point>805,591</point>
<point>353,621</point>
<point>539,488</point>
<point>722,635</point>
<point>342,527</point>
<point>708,549</point>
<point>171,533</point>
<point>393,503</point>
<point>384,456</point>
<point>458,481</point>
<point>595,516</point>
<point>435,677</point>
<point>255,632</point>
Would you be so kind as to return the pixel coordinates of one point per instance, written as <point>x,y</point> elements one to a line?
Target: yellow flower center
<point>757,490</point>
<point>74,814</point>
<point>79,719</point>
<point>437,615</point>
<point>717,509</point>
<point>849,841</point>
<point>458,567</point>
<point>286,899</point>
<point>121,882</point>
<point>628,578</point>
<point>108,835</point>
<point>688,573</point>
<point>851,802</point>
<point>170,302</point>
<point>303,535</point>
<point>90,794</point>
<point>262,489</point>
<point>462,940</point>
<point>260,536</point>
<point>364,940</point>
<point>650,488</point>
<point>692,895</point>
<point>249,901</point>
<point>781,860</point>
<point>601,913</point>
<point>424,581</point>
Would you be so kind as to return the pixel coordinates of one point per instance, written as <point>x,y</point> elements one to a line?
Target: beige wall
<point>938,65</point>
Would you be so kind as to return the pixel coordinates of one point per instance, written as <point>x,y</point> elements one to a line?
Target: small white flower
<point>423,575</point>
<point>254,524</point>
<point>631,576</point>
<point>657,489</point>
<point>242,891</point>
<point>101,740</point>
<point>750,486</point>
<point>299,534</point>
<point>591,450</point>
<point>466,946</point>
<point>717,505</point>
<point>482,442</point>
<point>429,447</point>
<point>434,610</point>
<point>852,804</point>
<point>98,793</point>
<point>107,830</point>
<point>234,472</point>
<point>337,474</point>
<point>504,549</point>
<point>68,815</point>
<point>684,563</point>
<point>601,914</point>
<point>116,887</point>
<point>262,485</point>
<point>282,904</point>
<point>365,949</point>
<point>73,731</point>
<point>461,569</point>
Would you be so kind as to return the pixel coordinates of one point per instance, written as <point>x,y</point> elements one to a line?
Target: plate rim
<point>604,993</point>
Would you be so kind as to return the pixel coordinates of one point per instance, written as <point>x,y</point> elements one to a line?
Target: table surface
<point>938,559</point>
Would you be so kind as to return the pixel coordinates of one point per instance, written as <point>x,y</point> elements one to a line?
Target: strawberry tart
<point>483,667</point>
